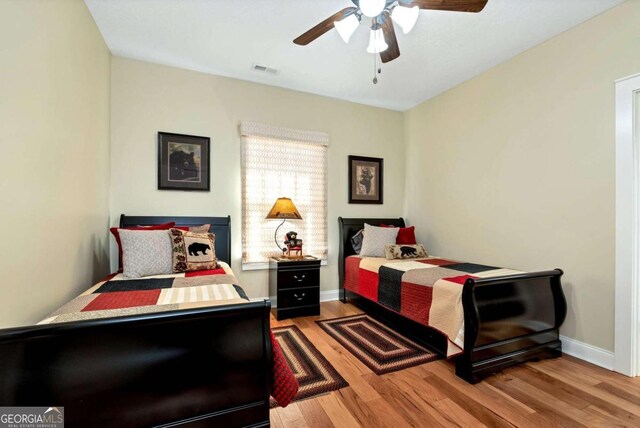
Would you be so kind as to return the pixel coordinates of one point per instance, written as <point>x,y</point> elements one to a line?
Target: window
<point>279,162</point>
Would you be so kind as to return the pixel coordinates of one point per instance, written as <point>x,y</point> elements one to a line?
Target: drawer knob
<point>301,297</point>
<point>302,277</point>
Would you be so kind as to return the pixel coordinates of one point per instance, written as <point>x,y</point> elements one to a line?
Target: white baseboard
<point>329,296</point>
<point>325,296</point>
<point>584,351</point>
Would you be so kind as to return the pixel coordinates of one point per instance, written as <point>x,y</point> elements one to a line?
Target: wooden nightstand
<point>296,283</point>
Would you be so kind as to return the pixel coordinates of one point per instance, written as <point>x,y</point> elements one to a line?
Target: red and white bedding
<point>426,290</point>
<point>119,296</point>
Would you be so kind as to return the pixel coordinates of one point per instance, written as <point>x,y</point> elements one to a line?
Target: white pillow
<point>376,238</point>
<point>146,252</point>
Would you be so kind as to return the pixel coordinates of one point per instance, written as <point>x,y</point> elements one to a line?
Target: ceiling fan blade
<point>450,5</point>
<point>323,27</point>
<point>393,51</point>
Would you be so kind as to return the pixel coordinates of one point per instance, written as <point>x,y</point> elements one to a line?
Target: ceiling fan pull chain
<point>375,66</point>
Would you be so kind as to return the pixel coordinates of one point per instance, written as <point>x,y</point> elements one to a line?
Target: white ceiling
<point>225,37</point>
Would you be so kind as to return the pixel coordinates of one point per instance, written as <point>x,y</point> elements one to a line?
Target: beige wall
<point>516,166</point>
<point>147,98</point>
<point>54,180</point>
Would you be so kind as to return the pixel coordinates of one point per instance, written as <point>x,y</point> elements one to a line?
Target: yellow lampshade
<point>284,208</point>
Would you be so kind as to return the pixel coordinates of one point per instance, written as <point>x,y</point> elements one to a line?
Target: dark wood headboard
<point>220,226</point>
<point>348,228</point>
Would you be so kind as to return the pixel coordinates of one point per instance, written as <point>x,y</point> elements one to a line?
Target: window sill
<point>265,265</point>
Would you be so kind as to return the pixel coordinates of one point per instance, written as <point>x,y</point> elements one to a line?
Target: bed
<point>167,362</point>
<point>507,318</point>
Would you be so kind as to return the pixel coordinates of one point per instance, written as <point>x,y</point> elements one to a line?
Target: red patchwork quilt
<point>426,290</point>
<point>120,296</point>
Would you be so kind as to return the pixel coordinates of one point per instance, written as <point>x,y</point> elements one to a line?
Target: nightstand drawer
<point>298,297</point>
<point>296,283</point>
<point>298,278</point>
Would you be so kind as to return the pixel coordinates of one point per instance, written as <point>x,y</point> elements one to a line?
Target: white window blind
<point>282,162</point>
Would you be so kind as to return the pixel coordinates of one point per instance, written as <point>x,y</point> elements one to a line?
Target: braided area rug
<point>312,370</point>
<point>376,345</point>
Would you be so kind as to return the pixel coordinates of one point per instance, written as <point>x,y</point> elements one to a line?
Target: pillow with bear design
<point>193,251</point>
<point>396,251</point>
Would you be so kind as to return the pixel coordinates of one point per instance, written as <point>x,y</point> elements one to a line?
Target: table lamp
<point>284,209</point>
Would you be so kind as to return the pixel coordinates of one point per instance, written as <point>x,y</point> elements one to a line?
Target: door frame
<point>627,289</point>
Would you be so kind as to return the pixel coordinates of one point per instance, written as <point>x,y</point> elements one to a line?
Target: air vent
<point>264,69</point>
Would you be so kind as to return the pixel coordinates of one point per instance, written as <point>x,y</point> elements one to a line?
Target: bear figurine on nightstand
<point>293,245</point>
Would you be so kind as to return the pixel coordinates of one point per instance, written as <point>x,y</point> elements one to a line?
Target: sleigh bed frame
<point>197,367</point>
<point>508,320</point>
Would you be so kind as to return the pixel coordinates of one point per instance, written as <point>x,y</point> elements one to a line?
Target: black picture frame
<point>368,188</point>
<point>183,162</point>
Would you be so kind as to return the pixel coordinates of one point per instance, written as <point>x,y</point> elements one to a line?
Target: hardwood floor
<point>558,392</point>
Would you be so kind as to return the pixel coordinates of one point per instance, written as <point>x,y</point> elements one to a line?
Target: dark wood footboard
<point>509,320</point>
<point>203,367</point>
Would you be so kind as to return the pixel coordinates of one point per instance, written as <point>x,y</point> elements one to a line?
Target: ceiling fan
<point>383,13</point>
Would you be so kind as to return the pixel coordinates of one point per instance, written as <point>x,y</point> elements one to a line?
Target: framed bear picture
<point>183,162</point>
<point>365,180</point>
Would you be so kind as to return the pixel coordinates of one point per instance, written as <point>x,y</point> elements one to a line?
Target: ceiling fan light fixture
<point>372,8</point>
<point>377,43</point>
<point>347,27</point>
<point>405,17</point>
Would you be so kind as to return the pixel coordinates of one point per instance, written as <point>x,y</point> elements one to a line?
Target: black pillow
<point>356,241</point>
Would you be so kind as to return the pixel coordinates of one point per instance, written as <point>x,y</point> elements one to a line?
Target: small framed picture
<point>183,162</point>
<point>365,180</point>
